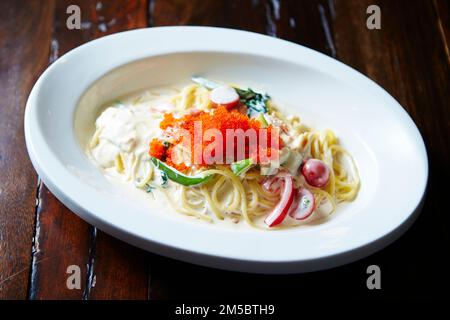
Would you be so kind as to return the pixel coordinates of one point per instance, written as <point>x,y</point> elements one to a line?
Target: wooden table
<point>39,237</point>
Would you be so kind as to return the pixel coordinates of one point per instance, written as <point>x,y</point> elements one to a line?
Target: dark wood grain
<point>408,57</point>
<point>121,271</point>
<point>247,14</point>
<point>302,22</point>
<point>442,8</point>
<point>24,51</point>
<point>62,238</point>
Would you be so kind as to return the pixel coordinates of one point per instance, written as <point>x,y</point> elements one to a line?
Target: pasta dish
<point>219,151</point>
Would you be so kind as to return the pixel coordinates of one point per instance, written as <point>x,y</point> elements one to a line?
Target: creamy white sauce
<point>125,128</point>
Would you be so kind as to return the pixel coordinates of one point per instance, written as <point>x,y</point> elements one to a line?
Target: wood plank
<point>442,8</point>
<point>121,271</point>
<point>408,57</point>
<point>302,22</point>
<point>63,239</point>
<point>246,14</point>
<point>24,53</point>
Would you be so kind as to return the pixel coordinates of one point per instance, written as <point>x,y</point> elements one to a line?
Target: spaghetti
<point>136,141</point>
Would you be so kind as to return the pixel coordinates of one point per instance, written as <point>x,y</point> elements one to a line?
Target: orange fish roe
<point>179,166</point>
<point>168,121</point>
<point>157,149</point>
<point>220,119</point>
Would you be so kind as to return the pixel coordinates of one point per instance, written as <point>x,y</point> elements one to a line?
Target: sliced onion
<point>225,96</point>
<point>280,211</point>
<point>303,205</point>
<point>316,173</point>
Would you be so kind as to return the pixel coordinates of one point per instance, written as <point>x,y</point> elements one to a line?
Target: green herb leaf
<point>240,167</point>
<point>256,102</point>
<point>168,172</point>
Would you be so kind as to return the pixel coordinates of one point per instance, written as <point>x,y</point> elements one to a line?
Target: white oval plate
<point>383,139</point>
